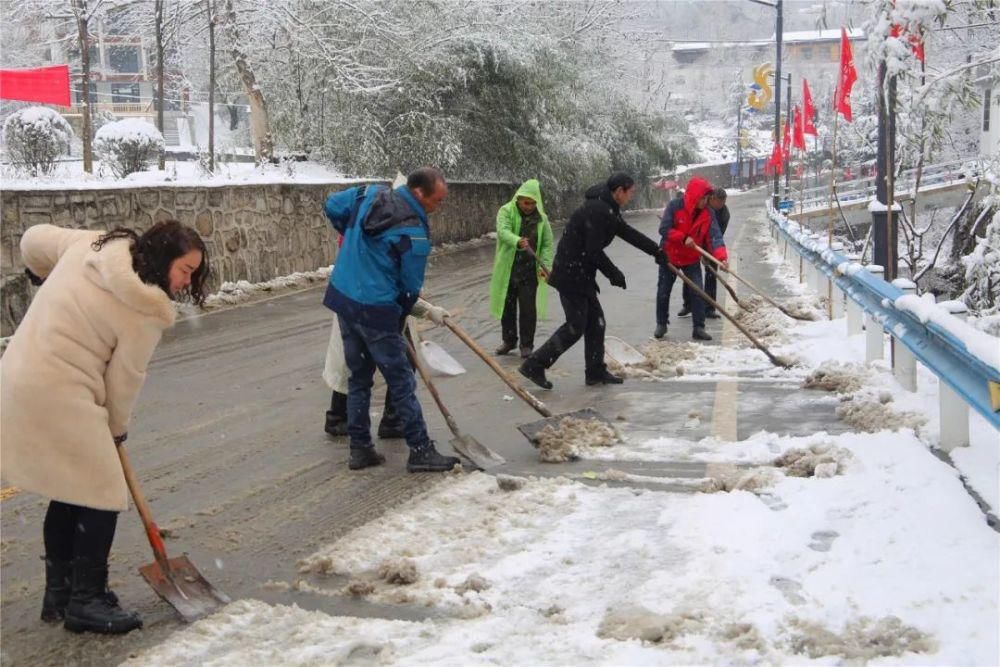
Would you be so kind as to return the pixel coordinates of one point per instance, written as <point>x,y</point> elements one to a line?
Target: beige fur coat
<point>74,367</point>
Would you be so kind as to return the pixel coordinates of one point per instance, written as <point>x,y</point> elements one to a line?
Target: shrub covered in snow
<point>982,271</point>
<point>127,146</point>
<point>35,138</point>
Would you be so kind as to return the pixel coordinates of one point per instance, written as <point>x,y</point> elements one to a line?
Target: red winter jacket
<point>681,222</point>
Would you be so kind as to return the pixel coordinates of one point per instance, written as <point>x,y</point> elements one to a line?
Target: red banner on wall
<point>48,85</point>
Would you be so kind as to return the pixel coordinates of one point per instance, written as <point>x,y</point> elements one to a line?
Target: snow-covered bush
<point>127,146</point>
<point>35,138</point>
<point>982,272</point>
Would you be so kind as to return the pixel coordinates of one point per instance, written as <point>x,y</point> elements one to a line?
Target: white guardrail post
<point>904,364</point>
<point>874,335</point>
<point>855,324</point>
<point>953,411</point>
<point>835,293</point>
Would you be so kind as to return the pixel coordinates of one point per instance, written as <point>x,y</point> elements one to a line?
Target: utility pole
<point>776,5</point>
<point>788,120</point>
<point>885,227</point>
<point>739,143</point>
<point>211,85</point>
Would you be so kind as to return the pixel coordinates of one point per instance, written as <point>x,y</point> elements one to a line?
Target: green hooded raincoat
<point>508,234</point>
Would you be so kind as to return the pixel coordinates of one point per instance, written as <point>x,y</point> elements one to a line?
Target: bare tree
<point>260,123</point>
<point>83,15</point>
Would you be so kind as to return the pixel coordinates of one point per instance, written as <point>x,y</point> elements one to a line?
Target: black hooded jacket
<point>591,229</point>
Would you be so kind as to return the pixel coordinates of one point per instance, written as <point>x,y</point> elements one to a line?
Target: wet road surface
<point>228,443</point>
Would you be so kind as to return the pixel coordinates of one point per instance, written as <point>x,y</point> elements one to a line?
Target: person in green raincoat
<point>518,282</point>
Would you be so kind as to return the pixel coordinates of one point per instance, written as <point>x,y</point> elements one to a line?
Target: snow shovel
<point>481,456</point>
<point>794,316</point>
<point>622,352</point>
<point>777,361</point>
<point>729,288</point>
<point>436,357</point>
<point>541,267</point>
<point>531,429</point>
<point>176,580</point>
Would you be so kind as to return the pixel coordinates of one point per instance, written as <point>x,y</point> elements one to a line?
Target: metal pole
<point>739,143</point>
<point>788,119</point>
<point>777,91</point>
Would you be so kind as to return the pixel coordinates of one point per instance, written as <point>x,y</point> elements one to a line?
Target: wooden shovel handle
<point>511,382</point>
<point>152,530</point>
<point>700,292</point>
<point>724,283</point>
<point>541,267</point>
<point>425,376</point>
<point>748,284</point>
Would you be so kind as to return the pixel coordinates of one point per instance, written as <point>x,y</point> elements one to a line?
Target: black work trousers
<point>584,317</point>
<point>73,531</point>
<point>520,294</point>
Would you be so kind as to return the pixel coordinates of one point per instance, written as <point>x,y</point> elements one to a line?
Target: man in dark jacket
<point>684,229</point>
<point>579,256</point>
<point>375,283</point>
<point>717,202</point>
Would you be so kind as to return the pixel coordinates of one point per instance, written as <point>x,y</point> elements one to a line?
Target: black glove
<point>661,259</point>
<point>33,279</point>
<point>617,279</point>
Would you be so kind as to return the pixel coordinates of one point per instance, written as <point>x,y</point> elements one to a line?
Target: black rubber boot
<point>427,459</point>
<point>603,378</point>
<point>535,373</point>
<point>364,457</point>
<point>92,608</point>
<point>58,586</point>
<point>336,416</point>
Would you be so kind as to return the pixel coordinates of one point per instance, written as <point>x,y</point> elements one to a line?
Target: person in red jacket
<point>686,224</point>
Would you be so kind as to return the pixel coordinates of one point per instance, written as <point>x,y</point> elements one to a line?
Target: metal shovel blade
<point>532,429</point>
<point>481,456</point>
<point>184,589</point>
<point>622,352</point>
<point>438,359</point>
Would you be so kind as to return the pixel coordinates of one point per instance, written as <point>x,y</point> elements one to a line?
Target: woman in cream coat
<point>68,382</point>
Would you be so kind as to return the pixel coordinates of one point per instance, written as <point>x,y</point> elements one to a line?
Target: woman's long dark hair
<point>155,250</point>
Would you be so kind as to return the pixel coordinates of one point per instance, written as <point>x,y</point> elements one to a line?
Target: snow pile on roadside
<point>558,572</point>
<point>241,291</point>
<point>843,378</point>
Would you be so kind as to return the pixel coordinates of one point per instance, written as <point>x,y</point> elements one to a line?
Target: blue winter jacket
<point>380,267</point>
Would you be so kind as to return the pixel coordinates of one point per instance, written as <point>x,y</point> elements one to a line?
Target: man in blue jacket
<point>375,282</point>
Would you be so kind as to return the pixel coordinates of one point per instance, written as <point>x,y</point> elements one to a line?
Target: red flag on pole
<point>808,110</point>
<point>798,136</point>
<point>786,141</point>
<point>915,41</point>
<point>775,165</point>
<point>848,75</point>
<point>48,85</point>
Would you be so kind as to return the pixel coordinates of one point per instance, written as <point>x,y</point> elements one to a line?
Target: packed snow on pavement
<point>817,549</point>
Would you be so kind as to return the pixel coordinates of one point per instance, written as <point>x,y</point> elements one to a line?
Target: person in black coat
<point>579,256</point>
<point>717,202</point>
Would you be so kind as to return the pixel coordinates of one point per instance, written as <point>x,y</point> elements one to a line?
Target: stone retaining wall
<point>253,232</point>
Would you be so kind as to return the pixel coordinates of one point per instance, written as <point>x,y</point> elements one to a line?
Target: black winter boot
<point>605,377</point>
<point>364,457</point>
<point>699,333</point>
<point>336,416</point>
<point>427,459</point>
<point>58,586</point>
<point>92,608</point>
<point>534,373</point>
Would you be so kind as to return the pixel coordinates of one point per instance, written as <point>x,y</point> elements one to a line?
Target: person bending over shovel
<point>685,226</point>
<point>579,256</point>
<point>375,283</point>
<point>68,382</point>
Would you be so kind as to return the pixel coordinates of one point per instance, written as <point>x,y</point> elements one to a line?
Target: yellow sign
<point>761,92</point>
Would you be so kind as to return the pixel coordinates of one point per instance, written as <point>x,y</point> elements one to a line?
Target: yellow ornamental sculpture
<point>760,93</point>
